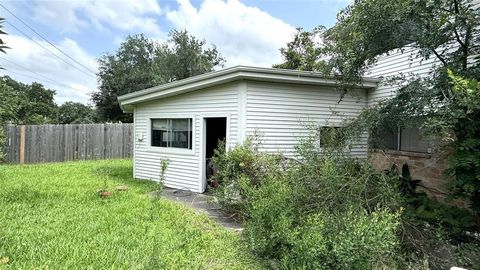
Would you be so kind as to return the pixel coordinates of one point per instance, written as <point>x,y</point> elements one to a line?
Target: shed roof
<point>229,75</point>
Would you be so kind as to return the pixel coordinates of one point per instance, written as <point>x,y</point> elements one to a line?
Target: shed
<point>183,120</point>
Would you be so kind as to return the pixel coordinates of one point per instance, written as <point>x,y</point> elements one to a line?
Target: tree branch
<point>440,57</point>
<point>457,36</point>
<point>455,4</point>
<point>464,45</point>
<point>465,48</point>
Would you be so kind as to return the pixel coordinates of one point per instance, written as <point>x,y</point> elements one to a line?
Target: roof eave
<point>229,75</point>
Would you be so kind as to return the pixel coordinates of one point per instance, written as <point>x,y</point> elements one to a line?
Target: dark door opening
<point>216,130</point>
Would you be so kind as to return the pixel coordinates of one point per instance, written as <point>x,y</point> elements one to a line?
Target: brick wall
<point>426,167</point>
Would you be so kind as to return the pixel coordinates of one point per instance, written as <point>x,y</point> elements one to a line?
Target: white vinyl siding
<point>184,170</point>
<point>406,62</point>
<point>398,63</point>
<point>280,111</point>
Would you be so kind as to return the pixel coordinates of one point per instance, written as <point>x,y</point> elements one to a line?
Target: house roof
<point>229,75</point>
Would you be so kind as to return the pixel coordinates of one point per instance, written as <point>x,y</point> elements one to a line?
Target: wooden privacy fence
<point>54,143</point>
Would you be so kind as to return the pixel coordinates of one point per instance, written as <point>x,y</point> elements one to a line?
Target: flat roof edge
<point>231,74</point>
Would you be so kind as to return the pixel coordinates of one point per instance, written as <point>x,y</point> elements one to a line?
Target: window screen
<point>174,133</point>
<point>412,141</point>
<point>405,139</point>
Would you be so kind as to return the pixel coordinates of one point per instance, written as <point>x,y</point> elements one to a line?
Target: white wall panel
<point>184,169</point>
<point>282,111</point>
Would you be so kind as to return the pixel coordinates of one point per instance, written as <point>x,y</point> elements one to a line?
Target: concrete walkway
<point>202,203</point>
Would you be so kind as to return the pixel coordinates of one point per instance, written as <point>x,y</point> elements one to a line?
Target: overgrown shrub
<point>321,210</point>
<point>272,218</point>
<point>362,240</point>
<point>239,170</point>
<point>336,182</point>
<point>351,240</point>
<point>467,255</point>
<point>421,208</point>
<point>277,229</point>
<point>434,231</point>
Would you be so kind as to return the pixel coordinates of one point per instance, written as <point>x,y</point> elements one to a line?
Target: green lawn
<point>52,217</point>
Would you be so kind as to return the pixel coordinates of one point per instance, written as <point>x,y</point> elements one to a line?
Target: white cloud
<point>28,62</point>
<point>244,35</point>
<point>126,15</point>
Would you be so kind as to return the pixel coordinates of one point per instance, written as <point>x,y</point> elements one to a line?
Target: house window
<point>404,139</point>
<point>332,137</point>
<point>172,133</point>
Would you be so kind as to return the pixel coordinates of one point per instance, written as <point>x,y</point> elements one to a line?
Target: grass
<point>52,217</point>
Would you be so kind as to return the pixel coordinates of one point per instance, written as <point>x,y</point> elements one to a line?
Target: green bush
<point>310,249</point>
<point>276,229</point>
<point>325,217</point>
<point>334,181</point>
<point>241,169</point>
<point>432,230</point>
<point>421,208</point>
<point>361,241</point>
<point>321,210</point>
<point>352,240</point>
<point>270,227</point>
<point>467,255</point>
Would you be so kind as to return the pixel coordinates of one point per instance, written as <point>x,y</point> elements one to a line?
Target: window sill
<point>171,150</point>
<point>403,153</point>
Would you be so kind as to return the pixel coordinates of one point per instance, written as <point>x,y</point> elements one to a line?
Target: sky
<point>57,43</point>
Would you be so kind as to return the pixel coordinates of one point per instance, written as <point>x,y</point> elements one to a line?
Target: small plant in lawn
<point>158,190</point>
<point>155,209</point>
<point>164,162</point>
<point>103,174</point>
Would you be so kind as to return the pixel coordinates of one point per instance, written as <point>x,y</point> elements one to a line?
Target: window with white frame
<point>172,133</point>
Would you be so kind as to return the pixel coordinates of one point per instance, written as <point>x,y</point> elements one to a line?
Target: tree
<point>6,109</point>
<point>446,30</point>
<point>304,52</point>
<point>141,63</point>
<point>26,103</point>
<point>2,43</point>
<point>8,112</point>
<point>443,103</point>
<point>41,107</point>
<point>128,70</point>
<point>184,56</point>
<point>461,114</point>
<point>9,103</point>
<point>75,113</point>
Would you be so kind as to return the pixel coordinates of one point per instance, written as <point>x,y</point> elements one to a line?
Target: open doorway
<point>216,130</point>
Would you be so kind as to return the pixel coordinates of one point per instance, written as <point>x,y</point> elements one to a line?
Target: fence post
<point>104,141</point>
<point>22,144</point>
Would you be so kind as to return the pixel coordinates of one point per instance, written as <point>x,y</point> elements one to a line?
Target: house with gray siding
<point>182,121</point>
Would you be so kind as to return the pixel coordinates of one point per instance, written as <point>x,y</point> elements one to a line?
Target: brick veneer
<point>426,167</point>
